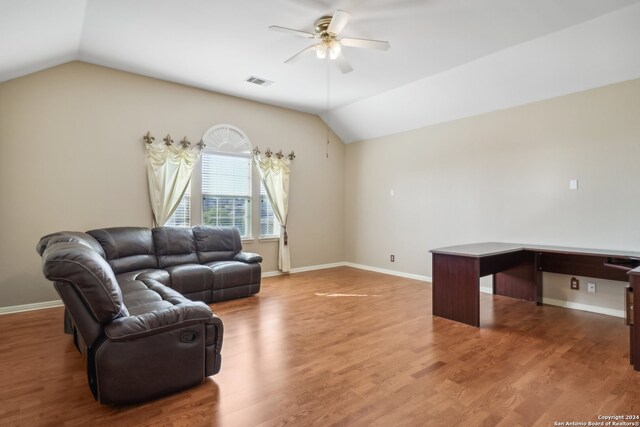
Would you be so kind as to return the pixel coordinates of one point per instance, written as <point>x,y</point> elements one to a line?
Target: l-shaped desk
<point>517,272</point>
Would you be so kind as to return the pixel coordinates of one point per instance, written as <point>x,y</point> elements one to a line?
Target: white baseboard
<point>486,289</point>
<point>303,269</point>
<point>271,273</point>
<point>573,305</point>
<point>584,307</point>
<point>391,272</point>
<point>30,307</point>
<point>317,267</point>
<point>350,264</point>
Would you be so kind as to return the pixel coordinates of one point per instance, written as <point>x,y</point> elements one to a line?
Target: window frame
<point>249,198</point>
<point>195,186</point>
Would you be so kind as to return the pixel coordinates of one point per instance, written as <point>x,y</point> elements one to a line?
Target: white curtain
<point>168,173</point>
<point>274,172</point>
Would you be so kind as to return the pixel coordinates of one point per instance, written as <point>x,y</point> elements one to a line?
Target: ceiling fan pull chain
<point>328,106</point>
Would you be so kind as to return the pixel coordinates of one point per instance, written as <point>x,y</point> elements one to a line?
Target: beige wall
<point>502,176</point>
<point>72,158</point>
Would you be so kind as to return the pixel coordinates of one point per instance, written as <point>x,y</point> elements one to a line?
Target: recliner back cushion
<point>89,273</point>
<point>216,243</point>
<point>127,248</point>
<point>69,236</point>
<point>174,246</point>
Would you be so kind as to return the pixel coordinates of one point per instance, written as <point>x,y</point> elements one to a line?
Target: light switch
<point>573,184</point>
<point>392,193</point>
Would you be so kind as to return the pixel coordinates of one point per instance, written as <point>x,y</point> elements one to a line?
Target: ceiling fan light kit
<point>327,30</point>
<point>321,51</point>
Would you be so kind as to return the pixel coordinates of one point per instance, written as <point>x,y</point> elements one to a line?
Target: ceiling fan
<point>327,31</point>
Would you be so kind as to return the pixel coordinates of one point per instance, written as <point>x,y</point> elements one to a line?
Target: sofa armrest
<point>133,327</point>
<point>247,257</point>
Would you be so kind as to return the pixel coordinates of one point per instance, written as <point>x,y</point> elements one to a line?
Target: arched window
<point>226,189</point>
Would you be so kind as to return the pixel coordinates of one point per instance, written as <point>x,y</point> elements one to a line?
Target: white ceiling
<point>448,58</point>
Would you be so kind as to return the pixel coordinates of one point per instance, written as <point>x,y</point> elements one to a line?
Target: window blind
<point>268,222</point>
<point>225,175</point>
<point>182,215</point>
<point>226,191</point>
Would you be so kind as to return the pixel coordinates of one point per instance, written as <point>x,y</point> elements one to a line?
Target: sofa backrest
<point>69,236</point>
<point>127,248</point>
<point>90,275</point>
<point>174,245</point>
<point>216,243</point>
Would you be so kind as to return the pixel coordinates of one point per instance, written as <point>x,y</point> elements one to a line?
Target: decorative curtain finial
<point>148,138</point>
<point>167,140</point>
<point>185,143</point>
<point>201,144</point>
<point>279,155</point>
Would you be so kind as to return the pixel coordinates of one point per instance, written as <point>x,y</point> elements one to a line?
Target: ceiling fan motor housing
<point>322,26</point>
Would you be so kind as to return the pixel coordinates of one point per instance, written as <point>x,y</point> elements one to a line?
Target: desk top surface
<point>483,249</point>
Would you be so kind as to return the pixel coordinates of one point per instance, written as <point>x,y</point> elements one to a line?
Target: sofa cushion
<point>229,274</point>
<point>190,278</point>
<point>144,297</point>
<point>89,273</point>
<point>174,246</point>
<point>216,243</point>
<point>127,248</point>
<point>161,276</point>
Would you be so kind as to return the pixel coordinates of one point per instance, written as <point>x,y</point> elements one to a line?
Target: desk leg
<point>522,281</point>
<point>456,288</point>
<point>634,350</point>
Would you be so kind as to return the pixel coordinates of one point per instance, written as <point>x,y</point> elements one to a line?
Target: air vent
<point>259,81</point>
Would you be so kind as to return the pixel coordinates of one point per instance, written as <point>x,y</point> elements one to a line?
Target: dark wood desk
<point>517,272</point>
<point>633,317</point>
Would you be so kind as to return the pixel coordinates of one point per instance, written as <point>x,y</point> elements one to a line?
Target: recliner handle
<point>188,336</point>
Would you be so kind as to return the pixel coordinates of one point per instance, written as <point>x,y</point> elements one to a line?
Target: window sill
<point>263,239</point>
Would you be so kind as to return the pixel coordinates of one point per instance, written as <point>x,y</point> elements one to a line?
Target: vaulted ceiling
<point>448,58</point>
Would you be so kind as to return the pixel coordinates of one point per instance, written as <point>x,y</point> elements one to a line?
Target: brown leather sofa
<point>128,295</point>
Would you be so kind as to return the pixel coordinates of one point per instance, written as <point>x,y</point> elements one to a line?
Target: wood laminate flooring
<point>349,347</point>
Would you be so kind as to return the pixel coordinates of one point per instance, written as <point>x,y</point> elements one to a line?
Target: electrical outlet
<point>392,258</point>
<point>591,287</point>
<point>575,284</point>
<point>573,184</point>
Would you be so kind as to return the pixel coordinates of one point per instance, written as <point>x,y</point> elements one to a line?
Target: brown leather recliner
<point>128,295</point>
<point>140,338</point>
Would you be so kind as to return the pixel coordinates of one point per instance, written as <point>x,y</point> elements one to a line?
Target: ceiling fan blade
<point>365,43</point>
<point>343,64</point>
<point>338,22</point>
<point>292,31</point>
<point>297,55</point>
